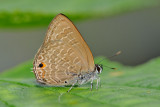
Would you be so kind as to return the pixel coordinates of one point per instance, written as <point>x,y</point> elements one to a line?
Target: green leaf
<point>18,13</point>
<point>125,86</point>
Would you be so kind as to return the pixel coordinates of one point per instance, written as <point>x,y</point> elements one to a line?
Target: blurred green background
<point>131,26</point>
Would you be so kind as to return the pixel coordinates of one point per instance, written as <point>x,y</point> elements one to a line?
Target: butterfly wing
<point>64,54</point>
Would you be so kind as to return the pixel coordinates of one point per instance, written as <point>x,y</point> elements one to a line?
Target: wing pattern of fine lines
<point>64,52</point>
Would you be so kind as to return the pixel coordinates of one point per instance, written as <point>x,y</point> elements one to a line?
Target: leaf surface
<point>125,86</point>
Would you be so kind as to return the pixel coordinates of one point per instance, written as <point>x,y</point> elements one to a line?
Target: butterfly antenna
<point>110,67</point>
<point>101,60</point>
<point>116,54</point>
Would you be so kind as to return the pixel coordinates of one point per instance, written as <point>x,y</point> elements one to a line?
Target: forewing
<point>61,28</point>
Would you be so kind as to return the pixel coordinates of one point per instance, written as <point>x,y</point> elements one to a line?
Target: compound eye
<point>98,68</point>
<point>42,65</point>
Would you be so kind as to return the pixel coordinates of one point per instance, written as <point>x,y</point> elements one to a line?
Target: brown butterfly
<point>64,58</point>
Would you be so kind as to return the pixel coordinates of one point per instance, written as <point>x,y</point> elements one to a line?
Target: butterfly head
<point>98,68</point>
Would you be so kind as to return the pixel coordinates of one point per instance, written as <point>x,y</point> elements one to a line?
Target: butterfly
<point>64,58</point>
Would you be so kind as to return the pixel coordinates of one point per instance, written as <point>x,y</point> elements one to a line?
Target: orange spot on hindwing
<point>42,65</point>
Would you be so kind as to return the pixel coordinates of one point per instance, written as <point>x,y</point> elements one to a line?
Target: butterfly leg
<point>72,86</point>
<point>91,84</point>
<point>98,83</point>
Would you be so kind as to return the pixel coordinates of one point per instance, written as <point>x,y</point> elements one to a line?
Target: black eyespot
<point>65,81</point>
<point>40,65</point>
